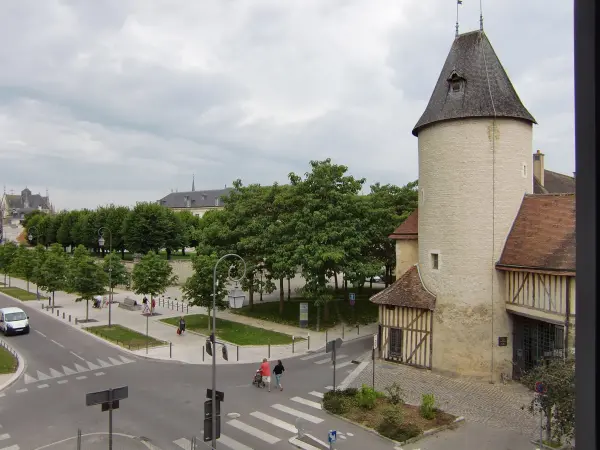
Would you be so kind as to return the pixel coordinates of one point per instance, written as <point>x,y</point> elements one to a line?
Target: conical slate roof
<point>465,69</point>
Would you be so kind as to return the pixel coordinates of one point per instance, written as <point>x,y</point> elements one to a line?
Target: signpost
<point>373,356</point>
<point>109,399</point>
<point>331,347</point>
<point>541,390</point>
<point>352,296</point>
<point>303,315</point>
<point>332,438</point>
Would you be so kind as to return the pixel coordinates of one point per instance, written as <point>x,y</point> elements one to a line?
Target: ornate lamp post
<point>212,338</point>
<point>34,233</point>
<point>101,242</point>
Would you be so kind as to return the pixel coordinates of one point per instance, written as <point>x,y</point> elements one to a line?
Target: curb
<point>21,364</point>
<point>458,421</point>
<point>545,447</point>
<point>296,442</point>
<point>128,436</point>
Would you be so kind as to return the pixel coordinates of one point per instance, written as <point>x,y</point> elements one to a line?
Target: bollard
<point>187,308</point>
<point>238,353</point>
<point>75,320</point>
<point>69,317</point>
<point>203,350</point>
<point>358,329</point>
<point>57,313</point>
<point>63,315</point>
<point>293,340</point>
<point>170,349</point>
<point>326,339</point>
<point>343,331</point>
<point>308,339</point>
<point>42,306</point>
<point>269,350</point>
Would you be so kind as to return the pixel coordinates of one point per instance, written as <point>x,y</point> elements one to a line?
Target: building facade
<point>14,208</point>
<point>449,309</point>
<point>196,202</point>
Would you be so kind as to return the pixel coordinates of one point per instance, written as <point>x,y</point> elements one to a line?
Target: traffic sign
<point>97,398</point>
<point>331,344</point>
<point>352,296</point>
<point>220,395</point>
<point>540,387</point>
<point>374,342</point>
<point>332,436</point>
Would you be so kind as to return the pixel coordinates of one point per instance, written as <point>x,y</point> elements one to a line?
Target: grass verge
<point>386,414</point>
<point>340,311</point>
<point>125,337</point>
<point>234,332</point>
<point>19,293</point>
<point>8,362</point>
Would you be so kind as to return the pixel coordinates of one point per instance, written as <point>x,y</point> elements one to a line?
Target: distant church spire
<point>458,3</point>
<point>193,183</point>
<point>480,15</point>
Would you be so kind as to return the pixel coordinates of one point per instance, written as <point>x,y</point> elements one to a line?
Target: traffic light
<point>225,355</point>
<point>208,347</point>
<point>208,420</point>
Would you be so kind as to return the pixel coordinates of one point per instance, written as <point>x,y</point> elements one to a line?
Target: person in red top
<point>265,371</point>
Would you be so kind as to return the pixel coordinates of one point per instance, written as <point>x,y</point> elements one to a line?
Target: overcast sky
<point>123,100</point>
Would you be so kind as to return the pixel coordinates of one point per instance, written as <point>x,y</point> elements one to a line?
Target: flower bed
<point>387,413</point>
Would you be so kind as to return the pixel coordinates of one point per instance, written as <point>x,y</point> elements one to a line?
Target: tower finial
<point>480,15</point>
<point>458,3</point>
<point>193,182</point>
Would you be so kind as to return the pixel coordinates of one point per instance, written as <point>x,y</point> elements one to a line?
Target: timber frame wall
<point>415,327</point>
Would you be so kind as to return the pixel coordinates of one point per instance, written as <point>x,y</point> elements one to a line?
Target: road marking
<point>302,445</point>
<point>328,360</point>
<point>62,381</point>
<point>329,388</point>
<point>68,371</point>
<point>12,447</point>
<point>43,386</point>
<point>20,391</point>
<point>183,443</point>
<point>303,401</point>
<point>314,355</point>
<point>98,374</point>
<point>92,366</point>
<point>103,363</point>
<point>41,334</point>
<point>81,378</point>
<point>75,354</point>
<point>42,376</point>
<point>253,431</point>
<point>114,361</point>
<point>2,395</point>
<point>29,379</point>
<point>126,360</point>
<point>344,364</point>
<point>4,436</point>
<point>297,413</point>
<point>55,373</point>
<point>233,444</point>
<point>316,394</point>
<point>273,421</point>
<point>57,343</point>
<point>80,368</point>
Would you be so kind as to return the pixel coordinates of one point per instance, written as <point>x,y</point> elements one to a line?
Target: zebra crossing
<point>75,369</point>
<point>326,359</point>
<point>265,428</point>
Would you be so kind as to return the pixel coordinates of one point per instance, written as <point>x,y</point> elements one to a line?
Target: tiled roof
<point>554,183</point>
<point>409,229</point>
<point>473,60</point>
<point>543,234</point>
<point>36,201</point>
<point>198,199</point>
<point>408,291</point>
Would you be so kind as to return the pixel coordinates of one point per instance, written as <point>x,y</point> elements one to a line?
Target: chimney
<point>538,166</point>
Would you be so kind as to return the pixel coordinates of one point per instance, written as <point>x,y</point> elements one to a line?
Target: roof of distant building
<point>197,199</point>
<point>471,62</point>
<point>35,201</point>
<point>409,229</point>
<point>554,183</point>
<point>408,291</point>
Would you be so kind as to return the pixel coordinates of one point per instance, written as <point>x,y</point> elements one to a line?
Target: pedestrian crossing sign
<point>332,436</point>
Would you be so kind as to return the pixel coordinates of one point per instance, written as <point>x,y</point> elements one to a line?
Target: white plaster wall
<point>455,218</point>
<point>407,255</point>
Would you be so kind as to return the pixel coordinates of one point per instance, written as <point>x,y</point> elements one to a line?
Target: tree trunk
<point>183,251</point>
<point>371,283</point>
<point>123,253</point>
<point>168,254</point>
<point>27,285</point>
<point>281,296</point>
<point>336,280</point>
<point>9,281</point>
<point>346,293</point>
<point>326,311</point>
<point>53,300</point>
<point>87,309</point>
<point>261,287</point>
<point>251,292</point>
<point>289,289</point>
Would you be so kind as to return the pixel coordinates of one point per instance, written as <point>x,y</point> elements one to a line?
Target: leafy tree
<point>52,275</point>
<point>118,272</point>
<point>558,404</point>
<point>39,256</point>
<point>113,217</point>
<point>85,230</point>
<point>189,224</point>
<point>174,238</point>
<point>146,228</point>
<point>24,264</point>
<point>64,233</point>
<point>152,275</point>
<point>32,218</point>
<point>54,223</point>
<point>85,278</point>
<point>35,228</point>
<point>8,251</point>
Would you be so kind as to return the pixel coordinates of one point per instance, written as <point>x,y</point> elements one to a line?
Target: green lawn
<point>362,313</point>
<point>236,333</point>
<point>8,363</point>
<point>124,337</point>
<point>19,293</point>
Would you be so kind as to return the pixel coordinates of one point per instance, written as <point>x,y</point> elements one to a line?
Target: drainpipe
<point>567,315</point>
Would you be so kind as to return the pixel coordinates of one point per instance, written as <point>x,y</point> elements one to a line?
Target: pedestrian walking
<point>278,371</point>
<point>265,371</point>
<point>181,325</point>
<point>153,306</point>
<point>146,309</point>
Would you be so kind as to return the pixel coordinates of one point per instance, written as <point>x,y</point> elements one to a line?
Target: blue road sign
<point>352,296</point>
<point>332,436</point>
<point>540,388</point>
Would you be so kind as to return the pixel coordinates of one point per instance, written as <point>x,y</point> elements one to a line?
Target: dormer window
<point>456,82</point>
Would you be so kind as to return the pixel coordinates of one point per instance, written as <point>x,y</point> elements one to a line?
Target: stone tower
<point>475,146</point>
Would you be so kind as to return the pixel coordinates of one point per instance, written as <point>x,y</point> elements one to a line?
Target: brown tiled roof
<point>409,229</point>
<point>408,290</point>
<point>543,234</point>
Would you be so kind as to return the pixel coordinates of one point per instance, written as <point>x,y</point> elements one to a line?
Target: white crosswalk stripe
<point>232,443</point>
<point>268,438</point>
<point>183,443</point>
<point>343,364</point>
<point>295,412</point>
<point>328,360</point>
<point>4,436</point>
<point>314,355</point>
<point>274,421</point>
<point>310,403</point>
<point>316,394</point>
<point>12,447</point>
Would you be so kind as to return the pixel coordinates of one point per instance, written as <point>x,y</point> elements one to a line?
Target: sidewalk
<point>189,348</point>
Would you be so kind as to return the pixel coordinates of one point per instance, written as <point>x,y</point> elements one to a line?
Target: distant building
<point>14,208</point>
<point>196,202</point>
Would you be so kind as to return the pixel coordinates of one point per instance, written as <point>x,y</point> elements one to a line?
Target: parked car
<point>13,321</point>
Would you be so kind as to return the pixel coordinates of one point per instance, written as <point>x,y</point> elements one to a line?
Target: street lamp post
<point>212,337</point>
<point>110,288</point>
<point>34,232</point>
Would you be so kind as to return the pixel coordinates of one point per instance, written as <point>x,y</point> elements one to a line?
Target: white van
<point>13,321</point>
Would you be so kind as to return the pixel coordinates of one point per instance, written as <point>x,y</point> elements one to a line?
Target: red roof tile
<point>408,291</point>
<point>409,229</point>
<point>543,234</point>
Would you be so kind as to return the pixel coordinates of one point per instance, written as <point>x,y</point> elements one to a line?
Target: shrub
<point>338,404</point>
<point>428,407</point>
<point>366,397</point>
<point>395,394</point>
<point>392,426</point>
<point>349,392</point>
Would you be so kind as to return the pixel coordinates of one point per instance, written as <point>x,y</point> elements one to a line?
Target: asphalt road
<point>166,399</point>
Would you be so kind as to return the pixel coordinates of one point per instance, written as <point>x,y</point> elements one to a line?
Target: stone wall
<point>181,267</point>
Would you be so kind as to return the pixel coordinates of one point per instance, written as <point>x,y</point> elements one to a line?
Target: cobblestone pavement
<point>495,405</point>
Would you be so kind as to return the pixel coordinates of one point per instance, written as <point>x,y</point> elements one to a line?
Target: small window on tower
<point>435,261</point>
<point>455,86</point>
<point>524,170</point>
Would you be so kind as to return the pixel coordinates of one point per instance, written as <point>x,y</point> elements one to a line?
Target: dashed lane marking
<point>40,333</point>
<point>62,381</point>
<point>76,355</point>
<point>81,377</point>
<point>20,391</point>
<point>43,386</point>
<point>99,374</point>
<point>57,343</point>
